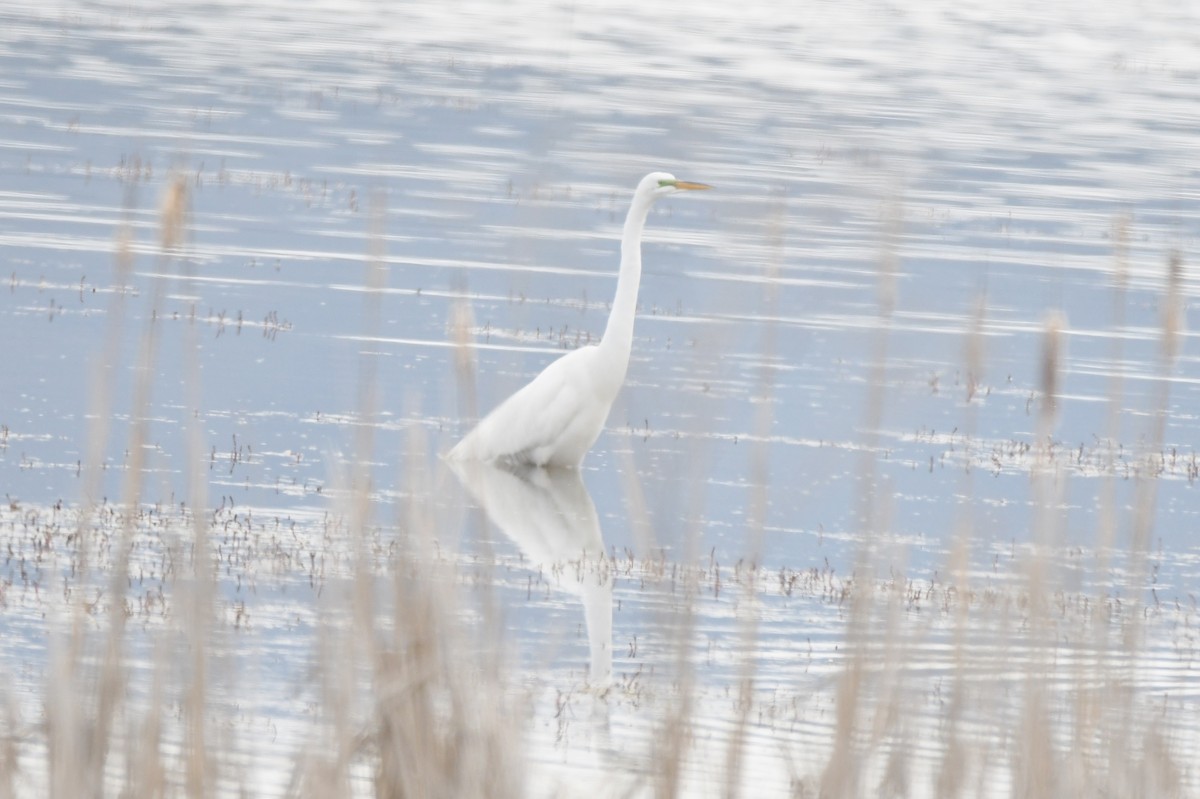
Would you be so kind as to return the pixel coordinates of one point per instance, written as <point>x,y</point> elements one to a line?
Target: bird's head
<point>660,184</point>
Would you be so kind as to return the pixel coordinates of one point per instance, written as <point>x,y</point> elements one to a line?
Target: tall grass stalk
<point>1093,736</point>
<point>843,774</point>
<point>951,770</point>
<point>434,713</point>
<point>82,708</point>
<point>756,516</point>
<point>413,691</point>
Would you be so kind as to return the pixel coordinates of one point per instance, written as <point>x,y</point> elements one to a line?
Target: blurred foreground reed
<point>411,687</point>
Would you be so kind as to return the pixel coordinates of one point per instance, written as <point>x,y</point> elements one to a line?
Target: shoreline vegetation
<point>1014,678</point>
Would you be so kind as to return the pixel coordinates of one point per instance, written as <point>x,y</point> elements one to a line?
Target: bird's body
<point>557,417</point>
<point>552,421</point>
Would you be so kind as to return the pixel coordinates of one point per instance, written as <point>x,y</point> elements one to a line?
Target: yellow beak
<point>687,185</point>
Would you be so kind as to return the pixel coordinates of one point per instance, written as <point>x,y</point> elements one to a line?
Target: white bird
<point>555,419</point>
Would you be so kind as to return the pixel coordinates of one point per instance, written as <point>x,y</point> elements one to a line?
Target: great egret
<point>555,419</point>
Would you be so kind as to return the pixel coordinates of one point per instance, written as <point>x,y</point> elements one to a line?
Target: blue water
<point>984,152</point>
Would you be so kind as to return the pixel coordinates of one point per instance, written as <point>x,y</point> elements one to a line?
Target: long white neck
<point>618,334</point>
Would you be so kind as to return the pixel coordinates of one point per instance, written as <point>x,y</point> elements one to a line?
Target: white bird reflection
<point>551,517</point>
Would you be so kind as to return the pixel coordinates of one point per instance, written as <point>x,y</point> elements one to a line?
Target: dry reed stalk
<point>409,696</point>
<point>1134,755</point>
<point>444,724</point>
<point>68,736</point>
<point>1036,764</point>
<point>843,773</point>
<point>756,517</point>
<point>1108,516</point>
<point>952,770</point>
<point>347,644</point>
<point>673,743</point>
<point>197,592</point>
<point>466,364</point>
<point>1093,699</point>
<point>1143,758</point>
<point>10,756</point>
<point>405,692</point>
<point>81,714</point>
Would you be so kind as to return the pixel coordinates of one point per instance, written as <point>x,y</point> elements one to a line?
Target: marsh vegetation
<point>899,497</point>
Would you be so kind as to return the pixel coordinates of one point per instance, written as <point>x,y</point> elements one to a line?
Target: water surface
<point>943,159</point>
